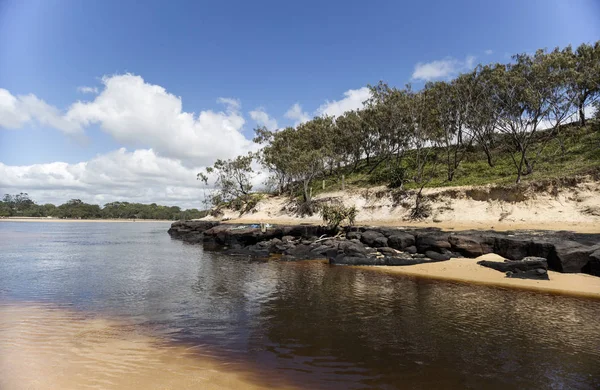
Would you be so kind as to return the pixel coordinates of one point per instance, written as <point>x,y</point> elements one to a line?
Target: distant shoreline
<point>44,219</point>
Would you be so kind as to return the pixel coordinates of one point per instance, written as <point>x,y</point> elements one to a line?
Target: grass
<point>581,156</point>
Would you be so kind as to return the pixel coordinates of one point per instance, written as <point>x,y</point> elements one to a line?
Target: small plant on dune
<point>334,215</point>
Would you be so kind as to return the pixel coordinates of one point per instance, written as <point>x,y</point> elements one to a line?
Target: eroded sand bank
<point>468,271</point>
<point>42,347</point>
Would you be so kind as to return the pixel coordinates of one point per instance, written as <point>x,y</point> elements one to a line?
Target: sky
<point>127,101</point>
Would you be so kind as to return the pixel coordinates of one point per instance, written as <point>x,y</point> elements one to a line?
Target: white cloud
<point>138,176</point>
<point>85,89</point>
<point>17,111</point>
<point>442,69</point>
<point>261,117</point>
<point>137,113</point>
<point>295,113</point>
<point>489,52</point>
<point>353,100</point>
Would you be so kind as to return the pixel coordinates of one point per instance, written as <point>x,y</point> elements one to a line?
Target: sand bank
<point>575,208</point>
<point>47,348</point>
<point>468,271</point>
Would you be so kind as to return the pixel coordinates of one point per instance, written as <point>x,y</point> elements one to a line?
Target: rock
<point>353,235</point>
<point>513,248</point>
<point>288,238</point>
<point>373,238</point>
<point>435,241</point>
<point>437,256</point>
<point>514,266</point>
<point>472,245</point>
<point>352,249</point>
<point>386,250</point>
<point>401,240</point>
<point>411,249</point>
<point>537,274</point>
<point>571,256</point>
<point>593,266</point>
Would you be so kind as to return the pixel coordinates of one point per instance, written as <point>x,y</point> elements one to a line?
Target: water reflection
<point>315,325</point>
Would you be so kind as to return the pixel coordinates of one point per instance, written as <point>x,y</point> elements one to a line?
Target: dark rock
<point>435,241</point>
<point>401,240</point>
<point>571,256</point>
<point>537,274</point>
<point>472,245</point>
<point>288,238</point>
<point>386,250</point>
<point>352,249</point>
<point>373,238</point>
<point>411,249</point>
<point>593,265</point>
<point>513,248</point>
<point>353,235</point>
<point>437,256</point>
<point>526,264</point>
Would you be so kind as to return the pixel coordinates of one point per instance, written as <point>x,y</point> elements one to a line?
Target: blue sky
<point>264,54</point>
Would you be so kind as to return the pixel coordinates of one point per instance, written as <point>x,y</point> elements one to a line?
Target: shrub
<point>334,215</point>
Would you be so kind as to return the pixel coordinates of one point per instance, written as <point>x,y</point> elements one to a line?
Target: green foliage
<point>232,181</point>
<point>334,215</point>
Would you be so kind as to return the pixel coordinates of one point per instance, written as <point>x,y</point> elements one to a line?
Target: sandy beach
<point>468,271</point>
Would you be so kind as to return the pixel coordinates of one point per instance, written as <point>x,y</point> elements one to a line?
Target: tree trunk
<point>488,154</point>
<point>581,114</point>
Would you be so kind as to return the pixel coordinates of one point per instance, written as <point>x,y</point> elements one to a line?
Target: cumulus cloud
<point>137,113</point>
<point>442,69</point>
<point>297,115</point>
<point>261,117</point>
<point>353,99</point>
<point>17,111</point>
<point>138,176</point>
<point>85,89</point>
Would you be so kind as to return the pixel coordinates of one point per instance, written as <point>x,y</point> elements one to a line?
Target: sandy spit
<point>468,271</point>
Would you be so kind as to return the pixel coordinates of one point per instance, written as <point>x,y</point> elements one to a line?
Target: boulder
<point>512,247</point>
<point>472,245</point>
<point>435,241</point>
<point>593,265</point>
<point>571,256</point>
<point>437,256</point>
<point>386,250</point>
<point>537,274</point>
<point>352,249</point>
<point>401,240</point>
<point>411,249</point>
<point>526,264</point>
<point>353,235</point>
<point>373,238</point>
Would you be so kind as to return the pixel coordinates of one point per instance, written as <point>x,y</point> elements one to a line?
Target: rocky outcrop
<point>527,268</point>
<point>562,251</point>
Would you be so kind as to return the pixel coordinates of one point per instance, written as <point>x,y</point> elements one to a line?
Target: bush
<point>334,215</point>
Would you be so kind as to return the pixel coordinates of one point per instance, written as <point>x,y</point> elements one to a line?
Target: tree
<point>233,179</point>
<point>585,83</point>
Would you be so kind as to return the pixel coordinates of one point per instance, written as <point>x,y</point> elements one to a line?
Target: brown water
<point>122,306</point>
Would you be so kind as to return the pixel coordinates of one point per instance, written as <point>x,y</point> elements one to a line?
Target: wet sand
<point>468,271</point>
<point>42,347</point>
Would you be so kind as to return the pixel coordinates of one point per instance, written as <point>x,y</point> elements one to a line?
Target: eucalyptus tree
<point>481,119</point>
<point>448,105</point>
<point>522,95</point>
<point>388,117</point>
<point>351,138</point>
<point>585,83</point>
<point>233,178</point>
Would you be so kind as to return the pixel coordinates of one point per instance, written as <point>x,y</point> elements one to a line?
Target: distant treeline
<point>21,205</point>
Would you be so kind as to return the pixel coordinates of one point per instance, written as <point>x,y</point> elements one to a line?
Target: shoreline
<point>463,270</point>
<point>34,219</point>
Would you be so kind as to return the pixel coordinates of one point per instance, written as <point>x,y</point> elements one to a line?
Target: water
<point>156,305</point>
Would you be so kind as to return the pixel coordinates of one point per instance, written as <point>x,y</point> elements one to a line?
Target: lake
<point>118,305</point>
